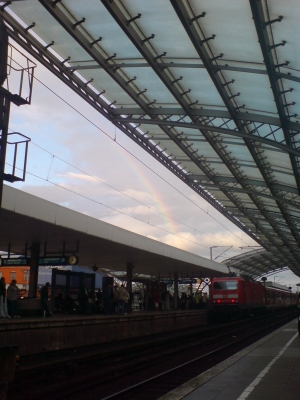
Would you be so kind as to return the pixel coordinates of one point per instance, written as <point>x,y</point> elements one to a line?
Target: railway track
<point>168,360</point>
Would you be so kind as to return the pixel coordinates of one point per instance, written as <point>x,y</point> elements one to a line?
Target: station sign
<point>55,261</point>
<point>14,262</point>
<point>167,281</point>
<point>43,261</point>
<point>187,281</point>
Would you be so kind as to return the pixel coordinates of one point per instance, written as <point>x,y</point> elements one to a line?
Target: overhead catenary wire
<point>111,208</point>
<point>135,157</point>
<point>124,194</point>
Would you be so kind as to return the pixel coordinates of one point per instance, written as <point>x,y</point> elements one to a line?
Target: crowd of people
<point>164,301</point>
<point>114,299</point>
<point>8,299</point>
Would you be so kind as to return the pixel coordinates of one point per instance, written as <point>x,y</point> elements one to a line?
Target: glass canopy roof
<point>208,88</point>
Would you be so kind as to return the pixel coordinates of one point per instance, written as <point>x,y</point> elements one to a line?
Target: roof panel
<point>147,79</point>
<point>153,21</point>
<point>289,9</point>
<point>99,23</point>
<point>244,149</point>
<point>254,91</point>
<point>232,27</point>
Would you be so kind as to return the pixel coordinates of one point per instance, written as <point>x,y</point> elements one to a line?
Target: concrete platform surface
<point>267,370</point>
<point>38,335</point>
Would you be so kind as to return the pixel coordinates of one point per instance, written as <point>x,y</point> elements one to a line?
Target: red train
<point>237,296</point>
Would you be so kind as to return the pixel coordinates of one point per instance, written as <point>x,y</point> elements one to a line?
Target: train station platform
<point>39,335</point>
<point>268,369</point>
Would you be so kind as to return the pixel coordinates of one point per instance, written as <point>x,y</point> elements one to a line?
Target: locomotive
<point>237,296</point>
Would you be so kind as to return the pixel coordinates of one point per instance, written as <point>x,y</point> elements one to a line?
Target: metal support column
<point>4,119</point>
<point>4,103</point>
<point>129,283</point>
<point>175,290</point>
<point>34,269</point>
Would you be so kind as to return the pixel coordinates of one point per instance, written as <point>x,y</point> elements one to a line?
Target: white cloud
<point>79,177</point>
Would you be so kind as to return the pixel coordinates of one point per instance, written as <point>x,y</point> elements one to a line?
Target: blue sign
<point>167,281</point>
<point>53,261</point>
<point>187,281</point>
<point>14,261</point>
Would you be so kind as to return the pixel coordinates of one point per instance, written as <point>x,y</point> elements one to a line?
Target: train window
<point>225,285</point>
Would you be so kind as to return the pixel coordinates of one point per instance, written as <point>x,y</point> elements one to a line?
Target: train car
<point>237,296</point>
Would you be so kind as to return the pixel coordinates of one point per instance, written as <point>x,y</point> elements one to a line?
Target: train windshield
<point>225,285</point>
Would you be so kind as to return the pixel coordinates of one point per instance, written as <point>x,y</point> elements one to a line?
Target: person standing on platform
<point>45,299</point>
<point>130,302</point>
<point>183,301</point>
<point>204,300</point>
<point>108,299</point>
<point>83,297</point>
<point>172,301</point>
<point>197,300</point>
<point>127,303</point>
<point>201,300</point>
<point>3,299</point>
<point>156,298</point>
<point>116,296</point>
<point>163,299</point>
<point>122,300</point>
<point>12,298</point>
<point>168,300</point>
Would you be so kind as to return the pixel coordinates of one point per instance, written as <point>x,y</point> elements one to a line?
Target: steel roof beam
<point>266,48</point>
<point>30,44</point>
<point>121,19</point>
<point>254,182</point>
<point>250,191</point>
<point>210,128</point>
<point>204,112</point>
<point>61,17</point>
<point>272,214</point>
<point>181,9</point>
<point>82,40</point>
<point>277,251</point>
<point>148,55</point>
<point>165,64</point>
<point>212,68</point>
<point>132,64</point>
<point>126,128</point>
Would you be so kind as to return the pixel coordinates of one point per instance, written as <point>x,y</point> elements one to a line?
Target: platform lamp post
<point>290,289</point>
<point>264,281</point>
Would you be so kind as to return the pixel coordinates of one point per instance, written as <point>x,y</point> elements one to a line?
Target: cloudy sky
<point>79,160</point>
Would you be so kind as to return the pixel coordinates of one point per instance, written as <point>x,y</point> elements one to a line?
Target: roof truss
<point>200,143</point>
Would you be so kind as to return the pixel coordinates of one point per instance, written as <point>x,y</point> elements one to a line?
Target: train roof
<point>268,284</point>
<point>275,285</point>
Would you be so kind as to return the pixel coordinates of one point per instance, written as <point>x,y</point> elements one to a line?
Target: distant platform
<point>25,219</point>
<point>268,369</point>
<point>38,335</point>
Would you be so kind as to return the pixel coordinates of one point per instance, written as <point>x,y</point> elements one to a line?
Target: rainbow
<point>151,189</point>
